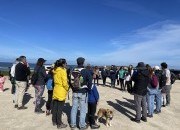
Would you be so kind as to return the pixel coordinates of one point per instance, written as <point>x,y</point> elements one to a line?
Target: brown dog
<point>107,113</point>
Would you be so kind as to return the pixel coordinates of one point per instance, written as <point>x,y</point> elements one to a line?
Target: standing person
<point>113,75</point>
<point>2,80</point>
<point>96,75</point>
<point>59,92</point>
<point>21,73</point>
<point>141,80</point>
<point>50,86</point>
<point>152,91</point>
<point>39,84</point>
<point>167,87</point>
<point>129,83</point>
<point>117,75</point>
<point>121,77</point>
<point>158,96</point>
<point>79,97</point>
<point>13,82</point>
<point>93,99</point>
<point>104,75</point>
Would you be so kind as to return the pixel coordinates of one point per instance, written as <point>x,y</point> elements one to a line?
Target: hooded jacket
<point>61,86</point>
<point>93,95</point>
<point>141,80</point>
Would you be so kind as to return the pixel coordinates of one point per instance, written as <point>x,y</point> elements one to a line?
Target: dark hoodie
<point>141,80</point>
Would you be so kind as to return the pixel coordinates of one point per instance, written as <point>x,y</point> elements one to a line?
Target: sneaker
<point>157,112</point>
<point>84,128</point>
<point>40,111</point>
<point>21,108</point>
<point>163,105</point>
<point>61,126</point>
<point>48,112</point>
<point>95,126</point>
<point>73,127</point>
<point>135,120</point>
<point>150,116</point>
<point>144,119</point>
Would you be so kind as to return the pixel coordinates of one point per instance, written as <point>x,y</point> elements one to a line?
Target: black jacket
<point>42,76</point>
<point>141,80</point>
<point>21,72</point>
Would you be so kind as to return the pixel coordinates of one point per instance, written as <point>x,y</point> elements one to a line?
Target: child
<point>49,86</point>
<point>2,80</point>
<point>93,98</point>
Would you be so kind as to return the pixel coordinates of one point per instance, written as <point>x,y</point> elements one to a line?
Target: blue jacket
<point>93,95</point>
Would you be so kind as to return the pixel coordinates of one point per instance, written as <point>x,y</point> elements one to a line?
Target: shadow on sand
<point>122,107</point>
<point>26,98</point>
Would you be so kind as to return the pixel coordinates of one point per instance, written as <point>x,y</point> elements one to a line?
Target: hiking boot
<point>61,126</point>
<point>135,120</point>
<point>15,106</point>
<point>144,119</point>
<point>95,126</point>
<point>22,108</point>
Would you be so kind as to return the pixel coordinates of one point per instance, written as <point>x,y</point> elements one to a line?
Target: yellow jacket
<point>60,84</point>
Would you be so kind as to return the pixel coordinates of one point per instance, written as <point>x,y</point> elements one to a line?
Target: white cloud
<point>153,44</point>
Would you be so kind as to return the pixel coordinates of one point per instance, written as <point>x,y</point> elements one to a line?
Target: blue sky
<point>105,32</point>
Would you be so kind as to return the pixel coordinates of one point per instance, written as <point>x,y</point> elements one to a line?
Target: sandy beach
<point>120,102</point>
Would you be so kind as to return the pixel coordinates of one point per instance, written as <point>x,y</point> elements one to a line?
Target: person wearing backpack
<point>152,91</point>
<point>167,87</point>
<point>81,83</point>
<point>141,80</point>
<point>60,91</point>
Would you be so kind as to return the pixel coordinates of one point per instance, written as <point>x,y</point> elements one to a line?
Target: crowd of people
<point>149,85</point>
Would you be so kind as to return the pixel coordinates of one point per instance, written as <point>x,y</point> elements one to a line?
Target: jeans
<point>79,100</point>
<point>158,100</point>
<point>151,96</point>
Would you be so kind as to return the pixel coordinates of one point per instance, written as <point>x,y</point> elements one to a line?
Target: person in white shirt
<point>12,73</point>
<point>167,87</point>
